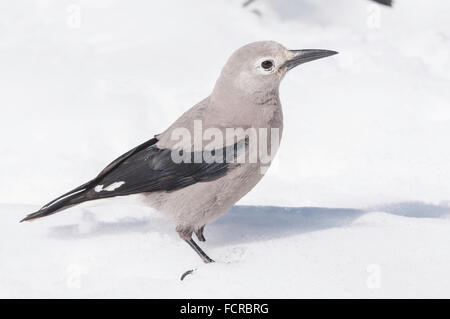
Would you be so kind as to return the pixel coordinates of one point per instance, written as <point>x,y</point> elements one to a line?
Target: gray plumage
<point>196,193</point>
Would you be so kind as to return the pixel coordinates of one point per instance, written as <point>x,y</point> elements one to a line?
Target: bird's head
<point>259,67</point>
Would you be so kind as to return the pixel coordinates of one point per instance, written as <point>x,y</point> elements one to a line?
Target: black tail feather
<point>86,191</point>
<point>76,196</point>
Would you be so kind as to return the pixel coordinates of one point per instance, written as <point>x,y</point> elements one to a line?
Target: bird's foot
<point>191,271</point>
<point>206,259</point>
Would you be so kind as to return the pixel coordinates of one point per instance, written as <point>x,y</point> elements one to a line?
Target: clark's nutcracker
<point>194,193</point>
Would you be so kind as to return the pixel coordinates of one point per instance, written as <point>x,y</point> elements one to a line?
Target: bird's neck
<point>230,92</point>
<point>259,109</point>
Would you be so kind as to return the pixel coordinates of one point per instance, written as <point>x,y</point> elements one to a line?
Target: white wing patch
<point>110,188</point>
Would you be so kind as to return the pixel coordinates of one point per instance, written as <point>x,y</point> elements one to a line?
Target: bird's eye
<point>267,65</point>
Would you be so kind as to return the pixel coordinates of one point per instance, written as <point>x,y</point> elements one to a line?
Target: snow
<point>125,250</point>
<point>366,129</point>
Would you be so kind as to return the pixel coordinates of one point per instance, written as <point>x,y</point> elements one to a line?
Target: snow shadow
<point>91,228</point>
<point>240,224</point>
<point>248,223</point>
<point>258,223</point>
<point>415,209</point>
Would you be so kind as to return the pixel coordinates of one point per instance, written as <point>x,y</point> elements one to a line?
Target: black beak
<point>303,56</point>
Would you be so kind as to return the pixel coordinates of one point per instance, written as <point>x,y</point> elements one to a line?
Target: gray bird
<point>196,191</point>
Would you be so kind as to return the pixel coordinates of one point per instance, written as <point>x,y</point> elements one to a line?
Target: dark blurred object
<point>385,2</point>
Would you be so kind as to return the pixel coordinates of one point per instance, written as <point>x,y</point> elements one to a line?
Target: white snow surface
<point>366,134</point>
<point>125,250</point>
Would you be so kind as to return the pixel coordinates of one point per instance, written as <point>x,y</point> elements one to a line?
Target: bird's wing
<point>146,168</point>
<point>149,168</point>
<point>114,164</point>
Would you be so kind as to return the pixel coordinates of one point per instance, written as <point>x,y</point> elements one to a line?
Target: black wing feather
<point>145,168</point>
<point>153,169</point>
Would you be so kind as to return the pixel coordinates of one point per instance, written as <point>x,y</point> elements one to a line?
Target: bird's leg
<point>199,233</point>
<point>199,251</point>
<point>186,234</point>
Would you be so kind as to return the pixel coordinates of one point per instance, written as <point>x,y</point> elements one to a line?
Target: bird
<point>174,176</point>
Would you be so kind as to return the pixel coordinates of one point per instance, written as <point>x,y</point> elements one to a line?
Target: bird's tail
<point>75,196</point>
